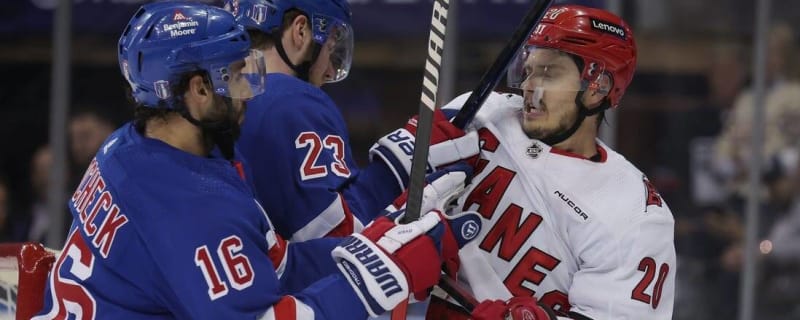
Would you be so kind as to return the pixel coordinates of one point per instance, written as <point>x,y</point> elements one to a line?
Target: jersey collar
<point>600,157</point>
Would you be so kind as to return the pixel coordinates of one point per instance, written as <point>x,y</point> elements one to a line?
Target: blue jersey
<point>159,233</point>
<point>296,141</point>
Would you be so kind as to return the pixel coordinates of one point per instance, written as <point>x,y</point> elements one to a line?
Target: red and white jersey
<point>590,236</point>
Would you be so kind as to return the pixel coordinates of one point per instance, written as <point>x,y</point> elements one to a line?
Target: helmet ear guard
<point>602,84</point>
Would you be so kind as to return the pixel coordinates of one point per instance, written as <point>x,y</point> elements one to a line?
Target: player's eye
<point>336,60</point>
<point>525,73</point>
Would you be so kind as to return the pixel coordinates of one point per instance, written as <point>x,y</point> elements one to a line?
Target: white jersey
<point>588,236</point>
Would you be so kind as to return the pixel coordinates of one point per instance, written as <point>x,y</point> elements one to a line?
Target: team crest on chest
<point>534,151</point>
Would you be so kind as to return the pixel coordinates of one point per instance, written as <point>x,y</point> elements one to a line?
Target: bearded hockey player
<point>572,230</point>
<point>166,226</point>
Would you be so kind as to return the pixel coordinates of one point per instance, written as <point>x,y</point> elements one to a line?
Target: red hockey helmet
<point>597,36</point>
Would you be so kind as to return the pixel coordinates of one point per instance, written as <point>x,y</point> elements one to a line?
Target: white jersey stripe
<point>288,308</point>
<point>326,221</point>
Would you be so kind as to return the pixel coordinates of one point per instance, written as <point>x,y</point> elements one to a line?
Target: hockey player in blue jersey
<point>295,138</point>
<point>165,225</point>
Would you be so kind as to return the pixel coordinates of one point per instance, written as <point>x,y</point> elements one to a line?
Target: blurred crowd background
<point>685,121</point>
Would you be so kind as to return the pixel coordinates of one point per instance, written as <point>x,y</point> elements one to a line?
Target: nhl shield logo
<point>161,88</point>
<point>534,150</point>
<point>259,13</point>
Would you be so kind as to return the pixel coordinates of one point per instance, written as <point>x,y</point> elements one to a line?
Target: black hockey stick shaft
<point>430,85</point>
<point>492,77</point>
<point>458,293</point>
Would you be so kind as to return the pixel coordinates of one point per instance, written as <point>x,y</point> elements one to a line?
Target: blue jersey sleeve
<point>225,271</point>
<point>304,173</point>
<point>311,276</point>
<point>308,262</point>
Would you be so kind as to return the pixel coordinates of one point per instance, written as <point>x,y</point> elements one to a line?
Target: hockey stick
<point>430,86</point>
<point>474,101</point>
<point>498,68</point>
<point>465,115</point>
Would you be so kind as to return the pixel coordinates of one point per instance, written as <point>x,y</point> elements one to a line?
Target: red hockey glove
<point>448,145</point>
<point>516,308</point>
<point>389,261</point>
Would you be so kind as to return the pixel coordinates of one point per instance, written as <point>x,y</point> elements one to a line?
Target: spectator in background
<point>703,227</point>
<point>781,277</point>
<point>782,100</point>
<point>689,126</point>
<point>730,162</point>
<point>88,128</point>
<point>39,217</point>
<point>780,245</point>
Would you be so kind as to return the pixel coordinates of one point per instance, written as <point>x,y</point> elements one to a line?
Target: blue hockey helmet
<point>164,40</point>
<point>330,22</point>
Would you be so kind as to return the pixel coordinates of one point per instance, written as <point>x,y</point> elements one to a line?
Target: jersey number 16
<point>236,265</point>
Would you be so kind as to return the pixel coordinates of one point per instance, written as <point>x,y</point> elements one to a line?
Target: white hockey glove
<point>448,145</point>
<point>388,262</point>
<point>443,188</point>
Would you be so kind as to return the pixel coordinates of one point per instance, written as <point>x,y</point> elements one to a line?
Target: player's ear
<point>199,90</point>
<point>300,31</point>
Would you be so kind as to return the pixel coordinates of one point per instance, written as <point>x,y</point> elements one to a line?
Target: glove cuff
<point>377,280</point>
<point>452,150</point>
<point>396,150</point>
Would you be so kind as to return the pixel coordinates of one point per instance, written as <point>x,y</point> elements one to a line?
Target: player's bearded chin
<point>221,126</point>
<point>544,132</point>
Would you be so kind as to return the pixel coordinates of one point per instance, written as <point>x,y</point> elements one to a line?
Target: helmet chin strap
<point>583,112</point>
<point>221,133</point>
<point>302,70</point>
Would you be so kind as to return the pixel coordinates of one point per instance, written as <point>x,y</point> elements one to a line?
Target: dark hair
<point>601,116</point>
<point>142,113</point>
<point>261,40</point>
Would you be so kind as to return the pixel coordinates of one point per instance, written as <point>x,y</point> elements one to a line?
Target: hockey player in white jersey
<point>572,230</point>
